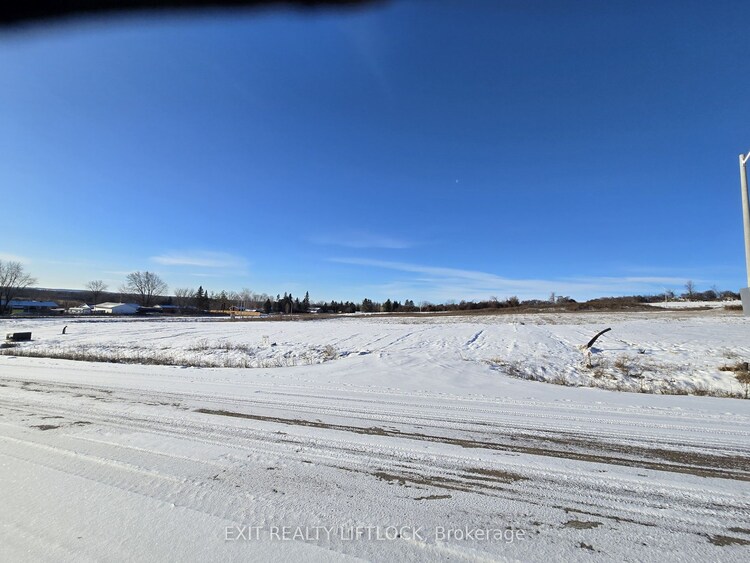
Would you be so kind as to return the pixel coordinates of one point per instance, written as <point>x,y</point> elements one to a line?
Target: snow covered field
<point>697,304</point>
<point>377,438</point>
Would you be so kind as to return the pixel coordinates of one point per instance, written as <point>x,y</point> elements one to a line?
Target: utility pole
<point>745,291</point>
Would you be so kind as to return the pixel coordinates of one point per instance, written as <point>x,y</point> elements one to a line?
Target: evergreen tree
<point>201,300</point>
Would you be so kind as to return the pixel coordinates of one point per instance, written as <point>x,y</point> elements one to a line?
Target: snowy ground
<point>697,304</point>
<point>350,432</point>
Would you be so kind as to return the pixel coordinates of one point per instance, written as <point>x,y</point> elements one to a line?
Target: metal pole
<point>745,211</point>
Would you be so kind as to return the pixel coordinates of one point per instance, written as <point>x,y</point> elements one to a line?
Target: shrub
<point>741,374</point>
<point>743,377</point>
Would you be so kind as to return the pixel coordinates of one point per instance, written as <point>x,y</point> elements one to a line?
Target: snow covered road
<point>408,446</point>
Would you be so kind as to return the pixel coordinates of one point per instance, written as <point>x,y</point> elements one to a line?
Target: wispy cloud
<point>365,39</point>
<point>360,239</point>
<point>439,283</point>
<point>8,257</point>
<point>204,275</point>
<point>406,267</point>
<point>200,259</point>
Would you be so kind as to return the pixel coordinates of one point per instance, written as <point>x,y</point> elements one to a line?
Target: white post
<point>745,211</point>
<point>745,292</point>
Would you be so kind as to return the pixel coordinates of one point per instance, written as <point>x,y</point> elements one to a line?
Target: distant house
<point>22,307</point>
<point>116,308</point>
<point>81,310</point>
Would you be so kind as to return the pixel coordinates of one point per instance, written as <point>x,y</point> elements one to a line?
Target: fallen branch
<point>587,348</point>
<point>591,342</point>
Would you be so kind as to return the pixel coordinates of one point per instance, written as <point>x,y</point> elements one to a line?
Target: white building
<point>116,308</point>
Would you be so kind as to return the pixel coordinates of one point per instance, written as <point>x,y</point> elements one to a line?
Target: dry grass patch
<point>741,373</point>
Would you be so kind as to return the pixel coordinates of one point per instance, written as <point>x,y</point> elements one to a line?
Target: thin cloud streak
<point>440,283</point>
<point>204,275</point>
<point>200,259</point>
<point>361,240</point>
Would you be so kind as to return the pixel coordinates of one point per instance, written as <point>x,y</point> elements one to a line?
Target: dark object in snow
<point>65,328</point>
<point>18,336</point>
<point>591,342</point>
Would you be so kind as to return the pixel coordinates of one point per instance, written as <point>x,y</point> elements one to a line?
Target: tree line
<point>223,300</point>
<point>149,289</point>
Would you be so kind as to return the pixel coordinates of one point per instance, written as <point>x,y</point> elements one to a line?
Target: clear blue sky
<point>447,150</point>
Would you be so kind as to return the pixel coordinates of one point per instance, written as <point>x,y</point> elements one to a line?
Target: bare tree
<point>184,296</point>
<point>13,280</point>
<point>234,298</point>
<point>146,285</point>
<point>716,292</point>
<point>247,298</point>
<point>96,287</point>
<point>690,290</point>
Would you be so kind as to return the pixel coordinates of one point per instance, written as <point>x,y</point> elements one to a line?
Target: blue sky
<point>429,151</point>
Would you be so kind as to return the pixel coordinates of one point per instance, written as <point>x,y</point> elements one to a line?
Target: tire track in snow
<point>732,465</point>
<point>335,452</point>
<point>471,418</point>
